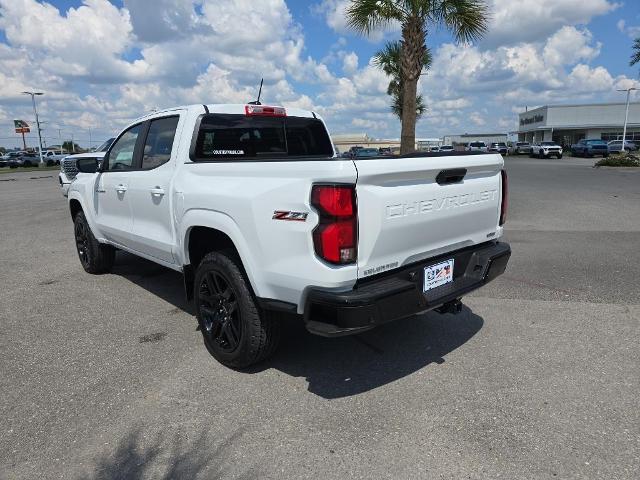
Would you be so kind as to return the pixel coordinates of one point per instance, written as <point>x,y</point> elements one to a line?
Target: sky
<point>101,64</point>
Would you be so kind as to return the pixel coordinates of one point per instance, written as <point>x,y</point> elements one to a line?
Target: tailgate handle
<point>453,175</point>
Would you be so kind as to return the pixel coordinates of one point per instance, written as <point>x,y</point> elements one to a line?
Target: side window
<point>157,147</point>
<point>121,155</point>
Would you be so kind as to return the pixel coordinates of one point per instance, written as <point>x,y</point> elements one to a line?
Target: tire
<point>559,156</point>
<point>605,155</point>
<point>27,164</point>
<point>95,257</point>
<point>50,163</point>
<point>235,331</point>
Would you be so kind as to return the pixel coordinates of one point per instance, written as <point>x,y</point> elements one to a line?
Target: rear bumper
<point>399,294</point>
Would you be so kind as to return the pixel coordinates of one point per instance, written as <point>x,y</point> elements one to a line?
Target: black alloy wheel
<point>218,304</point>
<point>94,257</point>
<point>82,243</point>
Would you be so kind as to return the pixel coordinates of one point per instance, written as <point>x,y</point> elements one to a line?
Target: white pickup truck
<point>252,205</point>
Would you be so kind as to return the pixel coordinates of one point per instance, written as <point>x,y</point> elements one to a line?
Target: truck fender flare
<point>225,224</point>
<point>88,214</point>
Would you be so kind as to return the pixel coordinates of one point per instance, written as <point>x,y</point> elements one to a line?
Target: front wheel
<point>559,156</point>
<point>95,257</point>
<point>234,330</point>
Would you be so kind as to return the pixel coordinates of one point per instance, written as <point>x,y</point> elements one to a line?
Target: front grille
<point>69,168</point>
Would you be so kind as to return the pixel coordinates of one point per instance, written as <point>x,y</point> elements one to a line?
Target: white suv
<point>68,169</point>
<point>476,147</point>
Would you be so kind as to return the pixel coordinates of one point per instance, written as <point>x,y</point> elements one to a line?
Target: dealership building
<point>566,124</point>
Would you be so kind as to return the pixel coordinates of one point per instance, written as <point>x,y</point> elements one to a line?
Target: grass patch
<point>28,169</point>
<point>626,160</point>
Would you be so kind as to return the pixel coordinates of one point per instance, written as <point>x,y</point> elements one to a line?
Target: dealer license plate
<point>438,274</point>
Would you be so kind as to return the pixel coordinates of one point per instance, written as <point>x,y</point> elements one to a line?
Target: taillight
<point>265,110</point>
<point>504,203</point>
<point>336,237</point>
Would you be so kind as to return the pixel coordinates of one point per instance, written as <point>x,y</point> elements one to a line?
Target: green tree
<point>67,146</point>
<point>465,19</point>
<point>388,59</point>
<point>635,57</point>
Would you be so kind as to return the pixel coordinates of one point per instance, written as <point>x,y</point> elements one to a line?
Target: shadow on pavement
<point>162,282</point>
<point>334,367</point>
<point>341,367</point>
<point>136,456</point>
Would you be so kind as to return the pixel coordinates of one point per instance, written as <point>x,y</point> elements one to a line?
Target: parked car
<point>446,148</point>
<point>518,148</point>
<point>353,150</point>
<point>25,160</point>
<point>69,168</point>
<point>498,147</point>
<point>7,157</point>
<point>386,151</point>
<point>590,147</point>
<point>615,146</point>
<point>341,245</point>
<point>546,150</point>
<point>53,157</point>
<point>476,147</point>
<point>366,152</point>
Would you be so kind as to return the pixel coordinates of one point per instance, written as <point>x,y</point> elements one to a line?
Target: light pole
<point>626,115</point>
<point>35,111</point>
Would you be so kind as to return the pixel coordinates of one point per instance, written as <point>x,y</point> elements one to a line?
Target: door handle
<point>100,190</point>
<point>121,188</point>
<point>454,175</point>
<point>157,192</point>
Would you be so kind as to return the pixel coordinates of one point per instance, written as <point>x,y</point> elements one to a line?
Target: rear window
<point>229,137</point>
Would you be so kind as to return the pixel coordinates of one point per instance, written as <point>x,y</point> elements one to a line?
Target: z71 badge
<point>290,216</point>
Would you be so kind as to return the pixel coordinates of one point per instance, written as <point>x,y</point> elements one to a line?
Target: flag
<point>21,126</point>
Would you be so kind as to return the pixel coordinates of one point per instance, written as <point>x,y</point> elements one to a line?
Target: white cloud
<point>335,14</point>
<point>516,21</point>
<point>350,63</point>
<point>477,119</point>
<point>633,31</point>
<point>569,46</point>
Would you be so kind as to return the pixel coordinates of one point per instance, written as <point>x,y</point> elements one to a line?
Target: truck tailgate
<point>405,215</point>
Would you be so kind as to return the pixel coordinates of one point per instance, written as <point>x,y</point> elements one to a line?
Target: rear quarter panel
<point>240,198</point>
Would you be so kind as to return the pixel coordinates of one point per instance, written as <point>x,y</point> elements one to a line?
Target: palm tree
<point>465,19</point>
<point>635,58</point>
<point>388,59</point>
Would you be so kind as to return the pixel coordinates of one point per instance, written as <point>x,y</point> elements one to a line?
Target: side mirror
<point>87,165</point>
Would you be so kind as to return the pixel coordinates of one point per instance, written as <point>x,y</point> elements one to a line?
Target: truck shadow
<point>333,367</point>
<point>346,366</point>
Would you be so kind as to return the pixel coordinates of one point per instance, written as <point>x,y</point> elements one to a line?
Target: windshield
<point>548,143</point>
<point>522,144</point>
<point>596,142</point>
<point>105,146</point>
<point>242,137</point>
<point>477,144</point>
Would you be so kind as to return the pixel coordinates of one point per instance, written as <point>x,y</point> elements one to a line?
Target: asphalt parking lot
<point>539,377</point>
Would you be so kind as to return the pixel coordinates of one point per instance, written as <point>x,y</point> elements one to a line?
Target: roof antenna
<point>257,102</point>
